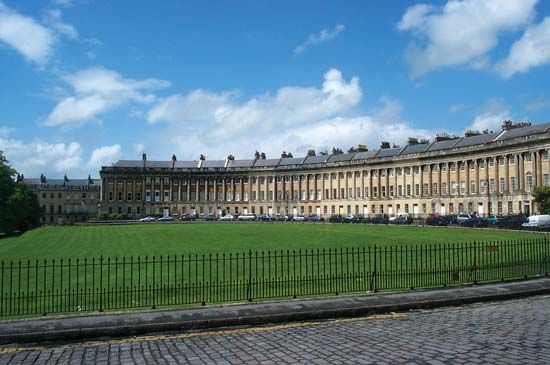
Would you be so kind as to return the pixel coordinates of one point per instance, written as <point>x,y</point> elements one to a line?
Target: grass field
<point>57,269</point>
<point>177,239</point>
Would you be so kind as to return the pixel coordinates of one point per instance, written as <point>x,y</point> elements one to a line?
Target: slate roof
<point>341,157</point>
<point>525,131</point>
<point>268,162</point>
<point>61,182</point>
<point>443,145</point>
<point>315,159</point>
<point>240,163</point>
<point>474,140</point>
<point>365,155</point>
<point>414,148</point>
<point>388,152</point>
<point>291,161</point>
<point>211,164</point>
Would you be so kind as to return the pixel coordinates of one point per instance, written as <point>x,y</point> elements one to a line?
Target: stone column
<point>521,177</point>
<point>506,174</point>
<point>467,170</point>
<point>421,183</point>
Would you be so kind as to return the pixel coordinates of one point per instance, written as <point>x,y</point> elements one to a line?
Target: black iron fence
<point>71,285</point>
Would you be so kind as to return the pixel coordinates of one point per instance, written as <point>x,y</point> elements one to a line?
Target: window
<point>120,196</point>
<point>138,210</point>
<point>462,187</point>
<point>157,195</point>
<point>481,164</point>
<point>444,188</point>
<point>510,208</point>
<point>482,185</point>
<point>408,189</point>
<point>342,193</point>
<point>513,183</point>
<point>262,195</point>
<point>492,186</point>
<point>400,190</point>
<point>528,157</point>
<point>501,161</point>
<point>545,179</point>
<point>166,195</point>
<point>110,196</point>
<point>44,196</point>
<point>319,196</point>
<point>501,184</point>
<point>147,195</point>
<point>350,193</point>
<point>129,196</point>
<point>417,189</point>
<point>529,177</point>
<point>425,189</point>
<point>453,188</point>
<point>544,155</point>
<point>129,210</point>
<point>358,193</point>
<point>491,162</point>
<point>434,189</point>
<point>511,161</point>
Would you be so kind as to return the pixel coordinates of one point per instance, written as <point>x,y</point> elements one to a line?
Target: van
<point>537,223</point>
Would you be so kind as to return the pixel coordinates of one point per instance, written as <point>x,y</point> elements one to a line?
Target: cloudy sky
<point>84,83</point>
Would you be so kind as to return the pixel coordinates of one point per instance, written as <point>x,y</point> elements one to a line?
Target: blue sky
<point>84,83</point>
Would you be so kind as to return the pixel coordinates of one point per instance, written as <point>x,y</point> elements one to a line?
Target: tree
<point>542,198</point>
<point>19,208</point>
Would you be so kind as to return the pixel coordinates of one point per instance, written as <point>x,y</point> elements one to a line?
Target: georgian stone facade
<point>66,201</point>
<point>483,173</point>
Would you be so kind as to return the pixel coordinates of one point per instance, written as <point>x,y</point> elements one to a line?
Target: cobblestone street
<point>512,332</point>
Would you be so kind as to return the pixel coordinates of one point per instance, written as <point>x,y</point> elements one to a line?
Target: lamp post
<point>98,211</point>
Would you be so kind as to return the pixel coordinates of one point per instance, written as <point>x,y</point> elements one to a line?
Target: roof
<point>388,152</point>
<point>206,164</point>
<point>414,148</point>
<point>364,155</point>
<point>340,157</point>
<point>267,162</point>
<point>291,161</point>
<point>479,139</point>
<point>128,163</point>
<point>240,163</point>
<point>71,182</point>
<point>315,159</point>
<point>525,131</point>
<point>443,145</point>
<point>183,164</point>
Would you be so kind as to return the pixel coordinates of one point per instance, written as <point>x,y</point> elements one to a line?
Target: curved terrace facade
<point>478,173</point>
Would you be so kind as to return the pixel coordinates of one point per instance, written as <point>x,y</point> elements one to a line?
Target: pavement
<point>103,325</point>
<point>507,332</point>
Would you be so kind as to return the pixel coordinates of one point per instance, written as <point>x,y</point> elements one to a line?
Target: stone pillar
<point>507,174</point>
<point>421,183</point>
<point>521,177</point>
<point>467,173</point>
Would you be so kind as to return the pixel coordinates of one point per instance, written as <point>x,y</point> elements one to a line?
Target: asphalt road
<point>511,332</point>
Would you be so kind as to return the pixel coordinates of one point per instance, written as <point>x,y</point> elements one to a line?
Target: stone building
<point>66,201</point>
<point>482,173</point>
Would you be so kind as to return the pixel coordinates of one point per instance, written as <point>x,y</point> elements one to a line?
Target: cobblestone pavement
<point>512,332</point>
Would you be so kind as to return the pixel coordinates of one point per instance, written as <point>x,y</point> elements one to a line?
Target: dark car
<point>210,217</point>
<point>432,220</point>
<point>281,218</point>
<point>401,220</point>
<point>358,219</point>
<point>313,218</point>
<point>264,218</point>
<point>512,221</point>
<point>348,218</point>
<point>335,218</point>
<point>380,219</point>
<point>474,221</point>
<point>188,217</point>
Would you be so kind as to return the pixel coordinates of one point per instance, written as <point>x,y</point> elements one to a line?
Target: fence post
<point>249,283</point>
<point>101,283</point>
<point>474,266</point>
<point>373,277</point>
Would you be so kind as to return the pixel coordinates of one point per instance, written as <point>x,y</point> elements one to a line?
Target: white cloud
<point>491,116</point>
<point>98,90</point>
<point>37,157</point>
<point>52,18</point>
<point>324,35</point>
<point>531,50</point>
<point>104,156</point>
<point>6,131</point>
<point>198,105</point>
<point>139,148</point>
<point>34,41</point>
<point>294,119</point>
<point>460,32</point>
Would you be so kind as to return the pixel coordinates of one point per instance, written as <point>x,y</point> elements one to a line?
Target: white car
<point>147,219</point>
<point>227,217</point>
<point>537,222</point>
<point>298,218</point>
<point>461,218</point>
<point>247,217</point>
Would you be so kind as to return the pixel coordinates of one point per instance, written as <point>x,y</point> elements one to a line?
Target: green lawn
<point>57,269</point>
<point>177,239</point>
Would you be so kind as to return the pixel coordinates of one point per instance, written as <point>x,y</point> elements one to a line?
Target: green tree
<point>19,208</point>
<point>542,198</point>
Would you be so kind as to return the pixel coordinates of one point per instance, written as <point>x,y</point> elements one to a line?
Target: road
<point>511,332</point>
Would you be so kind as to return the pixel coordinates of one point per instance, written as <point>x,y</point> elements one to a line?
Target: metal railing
<point>40,287</point>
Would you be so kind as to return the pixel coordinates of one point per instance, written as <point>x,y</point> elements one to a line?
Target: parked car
<point>166,219</point>
<point>188,217</point>
<point>433,220</point>
<point>475,221</point>
<point>461,218</point>
<point>210,217</point>
<point>227,217</point>
<point>281,218</point>
<point>401,218</point>
<point>298,218</point>
<point>380,219</point>
<point>492,220</point>
<point>147,219</point>
<point>512,221</point>
<point>264,218</point>
<point>358,219</point>
<point>335,218</point>
<point>537,223</point>
<point>313,218</point>
<point>247,217</point>
<point>348,218</point>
